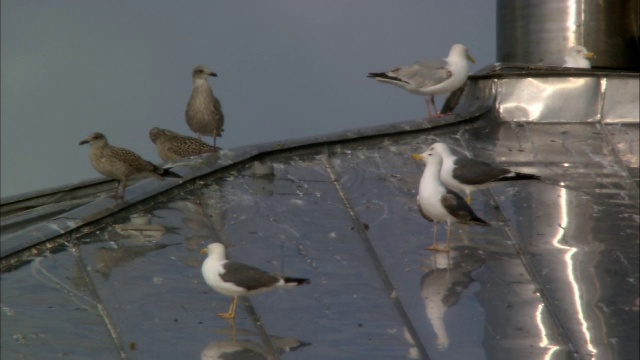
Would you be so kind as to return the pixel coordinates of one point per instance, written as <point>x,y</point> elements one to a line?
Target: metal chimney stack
<point>531,30</point>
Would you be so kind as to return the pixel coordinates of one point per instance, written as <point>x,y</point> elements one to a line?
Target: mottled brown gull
<point>431,77</point>
<point>237,279</point>
<point>172,146</point>
<point>204,112</point>
<point>437,203</point>
<point>121,164</point>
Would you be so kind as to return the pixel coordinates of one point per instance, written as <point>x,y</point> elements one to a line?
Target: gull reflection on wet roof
<point>555,277</point>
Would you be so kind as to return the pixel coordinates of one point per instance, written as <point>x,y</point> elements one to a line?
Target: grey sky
<point>285,69</point>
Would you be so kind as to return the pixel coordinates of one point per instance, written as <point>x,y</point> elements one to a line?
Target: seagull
<point>204,112</point>
<point>577,57</point>
<point>437,203</point>
<point>464,174</point>
<point>237,279</point>
<point>120,163</point>
<point>444,284</point>
<point>431,77</point>
<point>172,146</point>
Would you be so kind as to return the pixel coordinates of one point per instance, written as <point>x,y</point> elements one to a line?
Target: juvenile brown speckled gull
<point>204,112</point>
<point>172,146</point>
<point>119,163</point>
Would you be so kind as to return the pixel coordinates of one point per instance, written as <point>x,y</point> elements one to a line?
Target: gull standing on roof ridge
<point>437,203</point>
<point>204,112</point>
<point>431,77</point>
<point>577,57</point>
<point>465,174</point>
<point>172,146</point>
<point>120,163</point>
<point>237,279</point>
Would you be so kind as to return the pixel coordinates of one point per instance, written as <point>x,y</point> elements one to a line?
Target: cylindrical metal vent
<point>533,30</point>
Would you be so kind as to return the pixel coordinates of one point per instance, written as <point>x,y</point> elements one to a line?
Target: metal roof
<point>554,277</point>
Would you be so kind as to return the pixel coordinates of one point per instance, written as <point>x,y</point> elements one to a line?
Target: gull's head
<point>202,72</point>
<point>157,133</point>
<point>441,149</point>
<point>214,250</point>
<point>460,51</point>
<point>97,138</point>
<point>580,51</point>
<point>428,157</point>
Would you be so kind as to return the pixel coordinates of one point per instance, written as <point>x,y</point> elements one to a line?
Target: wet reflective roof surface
<point>554,277</point>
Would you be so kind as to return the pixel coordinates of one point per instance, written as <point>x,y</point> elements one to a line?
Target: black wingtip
<point>297,281</point>
<point>170,174</point>
<point>522,176</point>
<point>382,76</point>
<point>385,77</point>
<point>479,221</point>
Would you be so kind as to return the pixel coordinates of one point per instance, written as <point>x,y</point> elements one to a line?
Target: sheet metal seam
<point>377,263</point>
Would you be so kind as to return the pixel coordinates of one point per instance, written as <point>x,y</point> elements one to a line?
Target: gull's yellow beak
<point>417,156</point>
<point>470,58</point>
<point>204,251</point>
<point>590,55</point>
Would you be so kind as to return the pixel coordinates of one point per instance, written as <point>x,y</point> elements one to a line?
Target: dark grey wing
<point>458,208</point>
<point>424,215</point>
<point>427,73</point>
<point>474,172</point>
<point>247,277</point>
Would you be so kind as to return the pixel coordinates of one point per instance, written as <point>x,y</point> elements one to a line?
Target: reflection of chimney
<point>531,30</point>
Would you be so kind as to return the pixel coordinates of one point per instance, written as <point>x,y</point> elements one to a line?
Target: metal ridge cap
<point>501,70</point>
<point>99,210</point>
<point>266,147</point>
<point>31,195</point>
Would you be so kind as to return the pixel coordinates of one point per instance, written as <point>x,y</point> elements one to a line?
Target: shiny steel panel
<point>549,99</point>
<point>621,100</point>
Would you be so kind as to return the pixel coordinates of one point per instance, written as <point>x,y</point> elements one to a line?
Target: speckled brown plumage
<point>119,163</point>
<point>172,146</point>
<point>204,112</point>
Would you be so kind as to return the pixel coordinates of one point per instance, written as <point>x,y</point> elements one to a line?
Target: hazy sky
<point>286,69</point>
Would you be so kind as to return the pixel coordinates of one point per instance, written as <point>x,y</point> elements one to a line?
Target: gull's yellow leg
<point>434,247</point>
<point>232,310</point>
<point>469,199</point>
<point>446,248</point>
